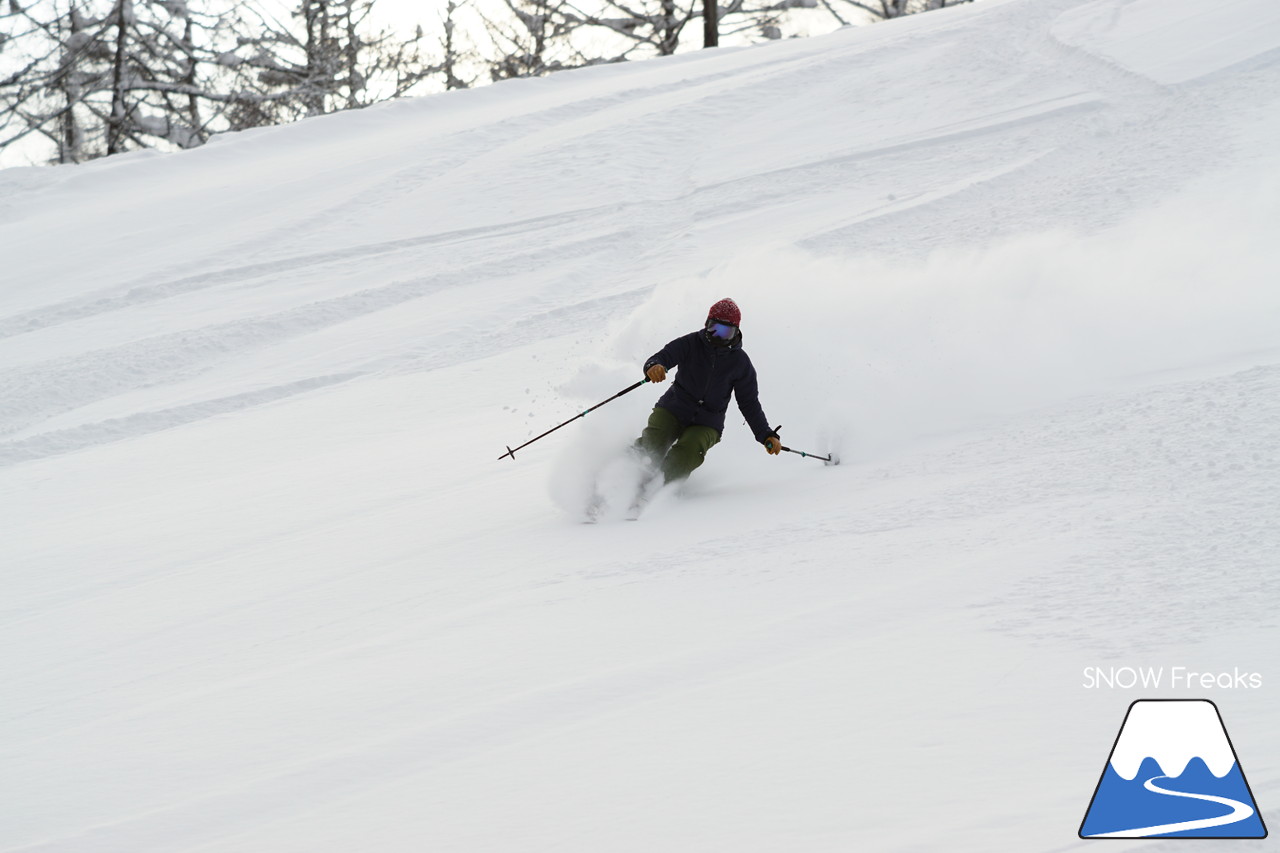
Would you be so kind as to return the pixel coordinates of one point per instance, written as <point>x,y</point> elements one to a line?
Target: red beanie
<point>726,311</point>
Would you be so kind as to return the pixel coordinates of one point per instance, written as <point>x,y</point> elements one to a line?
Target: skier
<point>689,417</point>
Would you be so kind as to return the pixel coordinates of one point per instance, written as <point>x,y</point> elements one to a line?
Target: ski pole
<point>830,460</point>
<point>512,453</point>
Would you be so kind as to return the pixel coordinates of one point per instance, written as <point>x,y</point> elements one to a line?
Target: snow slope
<point>265,586</point>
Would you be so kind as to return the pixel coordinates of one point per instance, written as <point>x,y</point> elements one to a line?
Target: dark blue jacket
<point>708,374</point>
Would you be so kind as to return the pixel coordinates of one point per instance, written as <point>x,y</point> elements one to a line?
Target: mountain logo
<point>1173,773</point>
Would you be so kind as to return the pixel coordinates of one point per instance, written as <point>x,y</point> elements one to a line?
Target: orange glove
<point>657,373</point>
<point>773,444</point>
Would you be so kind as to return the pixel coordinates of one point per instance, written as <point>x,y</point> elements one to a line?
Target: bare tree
<point>656,27</point>
<point>99,78</point>
<point>38,97</point>
<point>646,27</point>
<point>451,48</point>
<point>532,38</point>
<point>96,77</point>
<point>327,57</point>
<point>883,10</point>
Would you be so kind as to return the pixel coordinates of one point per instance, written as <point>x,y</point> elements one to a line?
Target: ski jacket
<point>708,374</point>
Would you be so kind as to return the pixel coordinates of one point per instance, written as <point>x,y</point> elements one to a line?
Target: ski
<point>648,488</point>
<point>594,509</point>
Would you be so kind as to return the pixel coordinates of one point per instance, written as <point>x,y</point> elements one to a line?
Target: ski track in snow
<point>678,204</point>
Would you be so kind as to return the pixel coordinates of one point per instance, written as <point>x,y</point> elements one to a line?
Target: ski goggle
<point>723,331</point>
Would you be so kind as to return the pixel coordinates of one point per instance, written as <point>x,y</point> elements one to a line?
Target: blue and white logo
<point>1173,773</point>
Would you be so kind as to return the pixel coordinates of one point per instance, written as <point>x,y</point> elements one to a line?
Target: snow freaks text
<point>1173,678</point>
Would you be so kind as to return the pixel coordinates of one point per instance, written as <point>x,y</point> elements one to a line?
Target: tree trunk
<point>115,122</point>
<point>352,56</point>
<point>69,135</point>
<point>319,77</point>
<point>193,102</point>
<point>670,38</point>
<point>710,23</point>
<point>451,80</point>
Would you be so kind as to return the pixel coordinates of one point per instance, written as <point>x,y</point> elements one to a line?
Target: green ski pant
<point>677,449</point>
